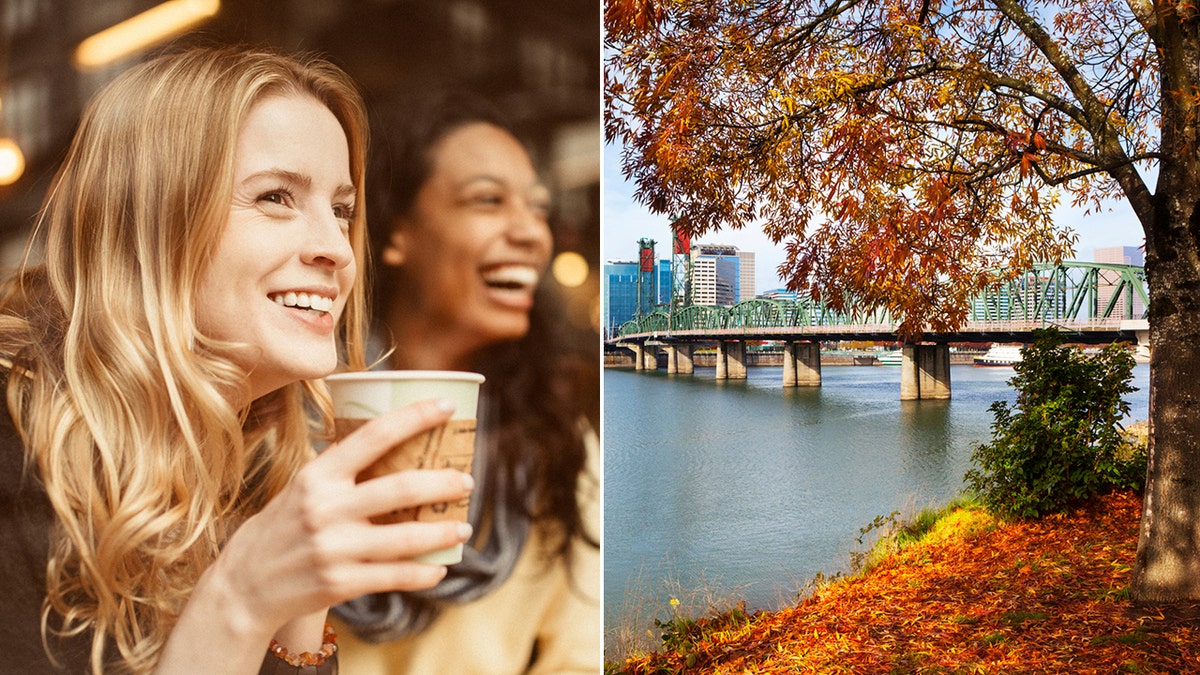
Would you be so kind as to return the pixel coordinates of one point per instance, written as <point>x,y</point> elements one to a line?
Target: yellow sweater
<point>543,606</point>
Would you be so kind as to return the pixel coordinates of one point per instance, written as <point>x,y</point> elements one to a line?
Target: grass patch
<point>1135,637</point>
<point>891,534</point>
<point>992,639</point>
<point>1113,594</point>
<point>662,615</point>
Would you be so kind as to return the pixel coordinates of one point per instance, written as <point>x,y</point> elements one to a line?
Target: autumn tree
<point>902,150</point>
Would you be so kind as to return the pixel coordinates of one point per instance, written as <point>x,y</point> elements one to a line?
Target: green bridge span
<point>1092,302</point>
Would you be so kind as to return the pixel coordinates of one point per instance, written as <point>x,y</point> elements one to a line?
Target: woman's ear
<point>396,251</point>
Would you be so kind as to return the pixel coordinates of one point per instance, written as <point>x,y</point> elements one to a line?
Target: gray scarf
<point>381,617</point>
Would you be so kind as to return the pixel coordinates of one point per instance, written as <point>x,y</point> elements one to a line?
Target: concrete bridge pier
<point>735,353</point>
<point>808,364</point>
<point>679,359</point>
<point>731,360</point>
<point>649,357</point>
<point>802,364</point>
<point>925,372</point>
<point>789,364</point>
<point>638,362</point>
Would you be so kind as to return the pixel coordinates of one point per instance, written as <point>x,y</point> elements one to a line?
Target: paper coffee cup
<point>359,397</point>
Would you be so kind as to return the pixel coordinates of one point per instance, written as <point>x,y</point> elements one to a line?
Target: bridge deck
<point>1092,331</point>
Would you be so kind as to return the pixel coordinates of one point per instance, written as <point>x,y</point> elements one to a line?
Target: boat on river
<point>892,358</point>
<point>1000,356</point>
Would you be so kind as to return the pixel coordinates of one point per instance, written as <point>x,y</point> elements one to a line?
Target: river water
<point>747,489</point>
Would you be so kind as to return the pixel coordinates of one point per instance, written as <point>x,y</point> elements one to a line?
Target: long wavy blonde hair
<point>128,413</point>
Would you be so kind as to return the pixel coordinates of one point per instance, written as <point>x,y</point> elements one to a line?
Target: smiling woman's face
<point>282,270</point>
<point>476,242</point>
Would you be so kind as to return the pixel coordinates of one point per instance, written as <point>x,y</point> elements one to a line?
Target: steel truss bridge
<point>1096,302</point>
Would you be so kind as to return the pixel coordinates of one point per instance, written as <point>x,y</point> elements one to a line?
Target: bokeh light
<point>12,161</point>
<point>569,269</point>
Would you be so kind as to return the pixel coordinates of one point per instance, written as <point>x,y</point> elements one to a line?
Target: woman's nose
<point>329,243</point>
<point>529,226</point>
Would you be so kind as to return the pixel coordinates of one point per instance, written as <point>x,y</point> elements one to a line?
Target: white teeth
<point>303,301</point>
<point>512,275</point>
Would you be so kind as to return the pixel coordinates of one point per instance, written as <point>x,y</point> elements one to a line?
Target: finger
<point>404,541</point>
<point>406,489</point>
<point>380,577</point>
<point>372,440</point>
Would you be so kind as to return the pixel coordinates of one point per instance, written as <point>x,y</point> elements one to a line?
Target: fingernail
<point>468,481</point>
<point>445,405</point>
<point>464,531</point>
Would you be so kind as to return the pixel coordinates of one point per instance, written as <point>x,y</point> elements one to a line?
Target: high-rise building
<point>747,287</point>
<point>1118,255</point>
<point>663,274</point>
<point>618,294</point>
<point>1028,297</point>
<point>779,294</point>
<point>619,291</point>
<point>717,274</point>
<point>1121,255</point>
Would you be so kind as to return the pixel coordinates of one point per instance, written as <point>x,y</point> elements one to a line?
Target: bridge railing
<point>1070,294</point>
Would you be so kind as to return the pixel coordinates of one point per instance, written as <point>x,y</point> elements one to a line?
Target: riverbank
<point>974,595</point>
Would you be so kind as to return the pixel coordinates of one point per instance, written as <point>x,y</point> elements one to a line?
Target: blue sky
<point>626,221</point>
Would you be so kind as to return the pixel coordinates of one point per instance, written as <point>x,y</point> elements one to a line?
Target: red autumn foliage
<point>1046,596</point>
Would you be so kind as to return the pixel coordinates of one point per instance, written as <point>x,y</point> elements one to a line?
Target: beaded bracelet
<point>307,660</point>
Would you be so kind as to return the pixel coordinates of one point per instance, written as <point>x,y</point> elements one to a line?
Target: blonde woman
<point>160,503</point>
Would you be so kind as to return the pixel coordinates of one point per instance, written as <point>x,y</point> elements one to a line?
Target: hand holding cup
<point>359,397</point>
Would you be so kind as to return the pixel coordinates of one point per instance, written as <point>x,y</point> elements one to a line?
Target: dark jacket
<point>26,519</point>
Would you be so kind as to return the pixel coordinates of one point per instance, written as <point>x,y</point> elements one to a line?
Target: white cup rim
<point>454,375</point>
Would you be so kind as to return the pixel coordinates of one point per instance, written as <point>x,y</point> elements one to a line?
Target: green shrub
<point>1061,442</point>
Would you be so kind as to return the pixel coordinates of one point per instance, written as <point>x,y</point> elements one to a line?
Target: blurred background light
<point>143,30</point>
<point>12,162</point>
<point>569,269</point>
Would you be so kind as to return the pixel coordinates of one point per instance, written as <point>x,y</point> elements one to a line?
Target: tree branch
<point>1096,112</point>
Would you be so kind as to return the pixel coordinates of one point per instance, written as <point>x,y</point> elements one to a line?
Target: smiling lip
<point>312,306</point>
<point>511,276</point>
<point>511,285</point>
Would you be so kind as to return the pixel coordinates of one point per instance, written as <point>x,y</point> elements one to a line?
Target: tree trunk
<point>1167,568</point>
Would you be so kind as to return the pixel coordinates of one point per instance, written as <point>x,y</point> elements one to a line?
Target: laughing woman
<point>459,223</point>
<point>160,503</point>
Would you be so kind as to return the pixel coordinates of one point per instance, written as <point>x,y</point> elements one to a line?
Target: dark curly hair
<point>540,391</point>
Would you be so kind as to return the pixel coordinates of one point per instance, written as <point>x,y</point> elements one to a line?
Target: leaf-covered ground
<point>974,596</point>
